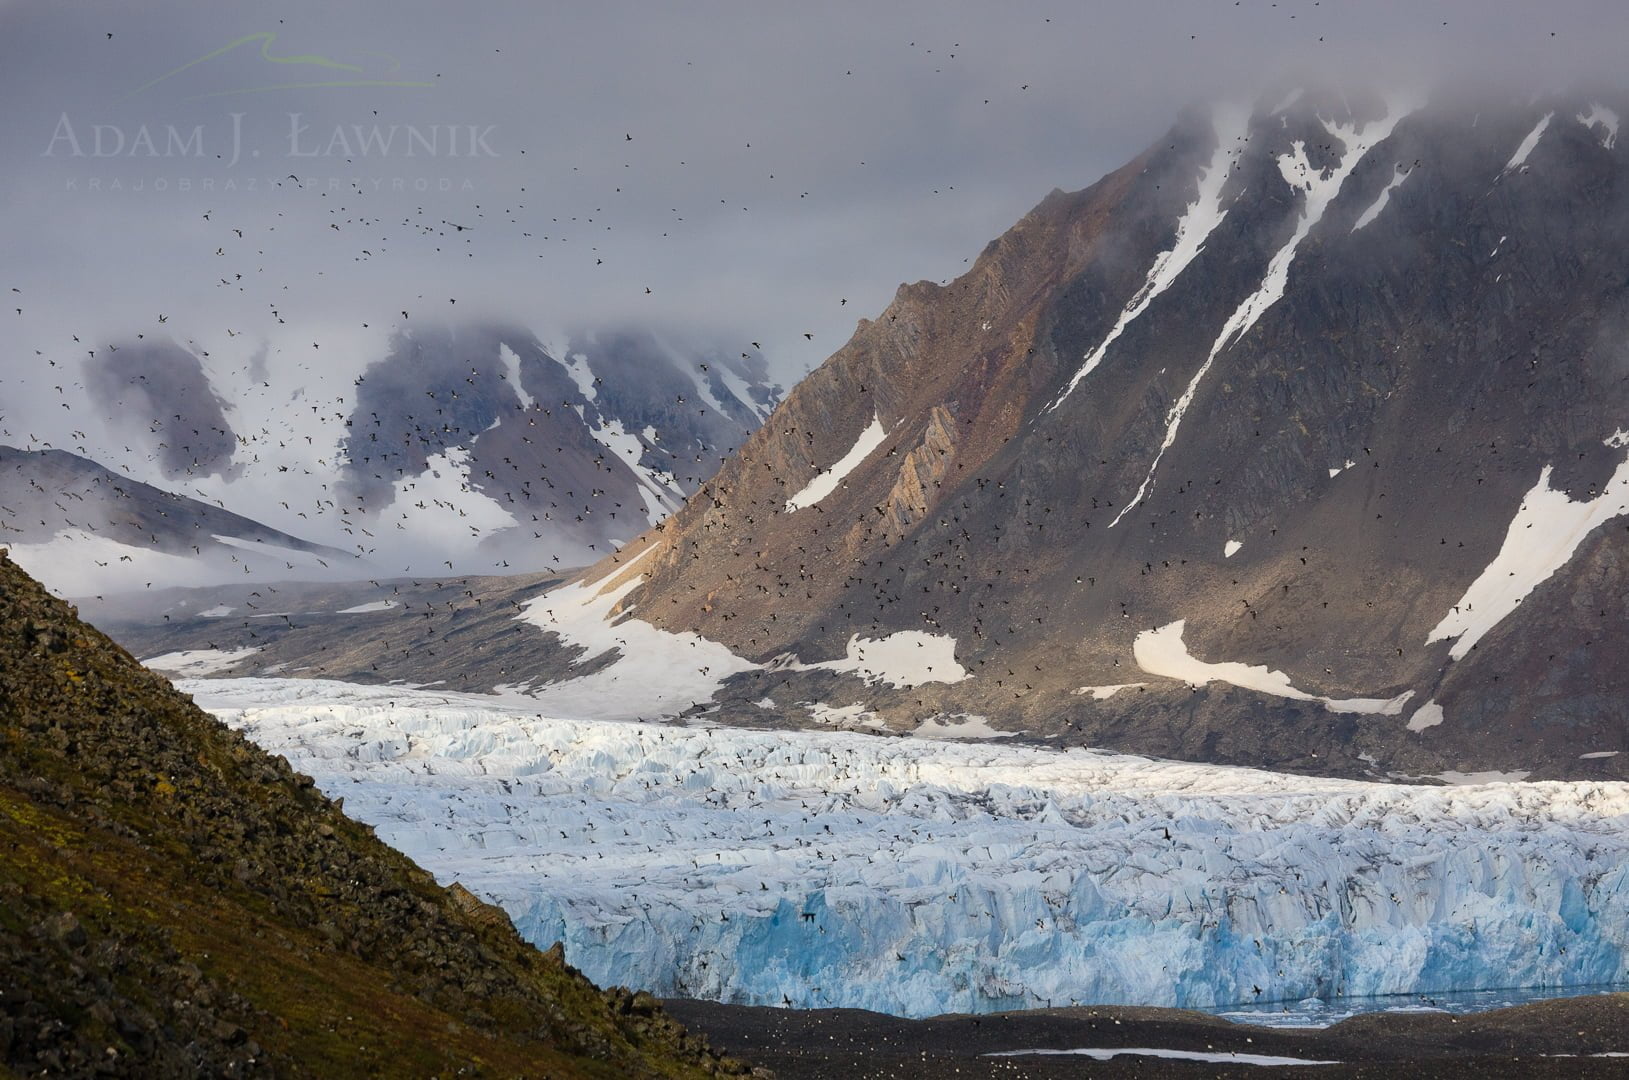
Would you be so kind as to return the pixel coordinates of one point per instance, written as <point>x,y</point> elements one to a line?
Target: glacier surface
<point>918,876</point>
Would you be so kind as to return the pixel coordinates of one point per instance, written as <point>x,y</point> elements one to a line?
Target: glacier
<point>920,876</point>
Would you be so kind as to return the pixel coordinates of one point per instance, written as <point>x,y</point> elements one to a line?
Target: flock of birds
<point>160,419</point>
<point>980,564</point>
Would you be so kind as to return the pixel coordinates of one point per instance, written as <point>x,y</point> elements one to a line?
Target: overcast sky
<point>739,169</point>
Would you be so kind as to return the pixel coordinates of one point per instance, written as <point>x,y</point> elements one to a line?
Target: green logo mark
<point>266,37</point>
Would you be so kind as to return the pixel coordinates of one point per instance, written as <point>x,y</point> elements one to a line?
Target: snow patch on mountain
<point>1379,203</point>
<point>656,673</point>
<point>1453,778</point>
<point>576,365</point>
<point>1319,188</point>
<point>1286,101</point>
<point>369,607</point>
<point>195,663</point>
<point>1162,652</point>
<point>1519,158</point>
<point>844,717</point>
<point>98,564</point>
<point>1103,693</point>
<point>961,726</point>
<point>1231,123</point>
<point>1428,715</point>
<point>660,496</point>
<point>275,551</point>
<point>442,503</point>
<point>905,658</point>
<point>826,482</point>
<point>1603,116</point>
<point>704,388</point>
<point>1547,529</point>
<point>511,374</point>
<point>921,876</point>
<point>741,392</point>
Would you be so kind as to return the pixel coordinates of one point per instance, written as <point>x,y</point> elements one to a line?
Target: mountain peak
<point>1286,382</point>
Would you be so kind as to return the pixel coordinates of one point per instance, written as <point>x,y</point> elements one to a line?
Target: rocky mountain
<point>178,902</point>
<point>1299,441</point>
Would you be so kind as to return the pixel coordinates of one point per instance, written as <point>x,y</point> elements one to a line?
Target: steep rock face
<point>1293,378</point>
<point>178,902</point>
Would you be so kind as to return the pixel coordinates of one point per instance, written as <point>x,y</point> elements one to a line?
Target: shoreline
<point>1559,1037</point>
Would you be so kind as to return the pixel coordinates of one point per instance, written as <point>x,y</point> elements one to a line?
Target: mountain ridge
<point>1298,442</point>
<point>1240,393</point>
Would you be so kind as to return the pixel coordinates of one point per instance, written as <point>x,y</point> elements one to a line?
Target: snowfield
<point>918,876</point>
<point>1519,158</point>
<point>1231,125</point>
<point>1162,652</point>
<point>1529,555</point>
<point>905,658</point>
<point>198,662</point>
<point>656,672</point>
<point>826,482</point>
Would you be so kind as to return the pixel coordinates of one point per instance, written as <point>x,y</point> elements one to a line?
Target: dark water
<point>1317,1012</point>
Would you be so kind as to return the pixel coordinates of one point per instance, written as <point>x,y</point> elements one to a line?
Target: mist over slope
<point>470,447</point>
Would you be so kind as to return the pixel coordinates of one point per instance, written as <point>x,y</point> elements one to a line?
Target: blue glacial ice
<point>917,877</point>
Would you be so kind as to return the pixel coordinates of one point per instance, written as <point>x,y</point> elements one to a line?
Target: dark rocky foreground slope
<point>1284,387</point>
<point>176,902</point>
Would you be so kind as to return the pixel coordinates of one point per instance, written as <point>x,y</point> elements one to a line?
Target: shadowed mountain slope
<point>1305,429</point>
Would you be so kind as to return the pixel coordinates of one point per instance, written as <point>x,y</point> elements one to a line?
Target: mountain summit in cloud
<point>1298,441</point>
<point>567,452</point>
<point>157,394</point>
